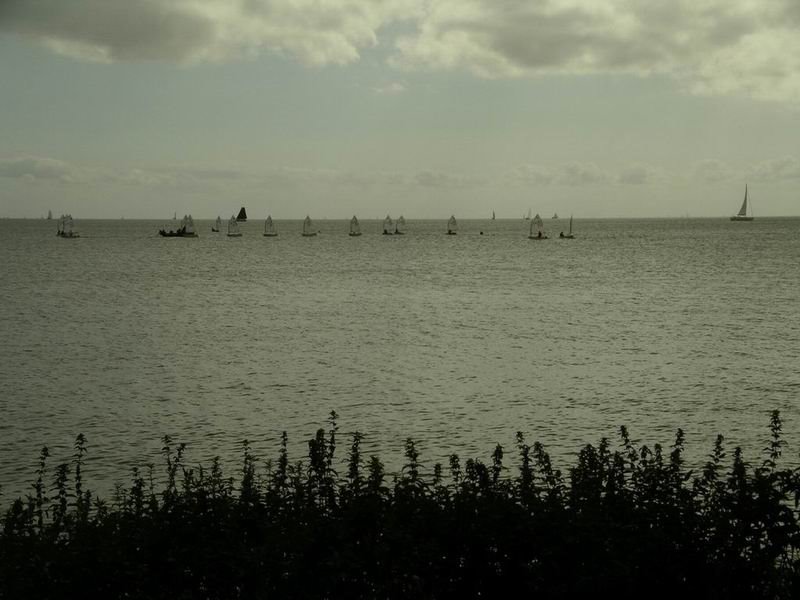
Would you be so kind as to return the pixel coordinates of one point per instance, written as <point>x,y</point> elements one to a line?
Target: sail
<point>218,223</point>
<point>537,221</point>
<point>400,226</point>
<point>743,211</point>
<point>189,225</point>
<point>233,226</point>
<point>570,225</point>
<point>355,228</point>
<point>49,215</point>
<point>242,216</point>
<point>452,225</point>
<point>269,226</point>
<point>492,215</point>
<point>307,226</point>
<point>67,226</point>
<point>528,216</point>
<point>387,224</point>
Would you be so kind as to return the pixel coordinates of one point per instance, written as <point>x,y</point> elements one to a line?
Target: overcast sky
<point>601,108</point>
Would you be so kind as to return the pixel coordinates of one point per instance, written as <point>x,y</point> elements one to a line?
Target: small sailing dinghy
<point>66,227</point>
<point>269,227</point>
<point>537,226</point>
<point>217,225</point>
<point>569,235</point>
<point>308,228</point>
<point>233,227</point>
<point>452,226</point>
<point>242,216</point>
<point>742,214</point>
<point>387,225</point>
<point>355,228</point>
<point>400,226</point>
<point>185,230</point>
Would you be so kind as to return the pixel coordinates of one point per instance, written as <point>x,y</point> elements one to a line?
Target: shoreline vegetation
<point>625,519</point>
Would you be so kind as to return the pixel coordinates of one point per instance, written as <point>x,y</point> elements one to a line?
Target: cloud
<point>390,89</point>
<point>777,169</point>
<point>711,46</point>
<point>641,174</point>
<point>31,168</point>
<point>568,174</point>
<point>315,32</point>
<point>744,47</point>
<point>711,171</point>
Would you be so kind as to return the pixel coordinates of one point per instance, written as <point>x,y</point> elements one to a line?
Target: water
<point>456,341</point>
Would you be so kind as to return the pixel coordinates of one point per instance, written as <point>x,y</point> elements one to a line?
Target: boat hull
<point>234,235</point>
<point>741,218</point>
<point>270,235</point>
<point>163,233</point>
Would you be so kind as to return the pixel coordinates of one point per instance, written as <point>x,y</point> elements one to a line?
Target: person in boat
<point>385,231</point>
<point>561,234</point>
<point>539,235</point>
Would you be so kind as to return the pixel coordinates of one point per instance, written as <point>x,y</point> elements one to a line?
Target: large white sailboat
<point>66,227</point>
<point>743,215</point>
<point>269,227</point>
<point>387,225</point>
<point>400,226</point>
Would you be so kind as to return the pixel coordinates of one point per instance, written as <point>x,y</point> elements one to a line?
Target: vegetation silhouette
<point>630,521</point>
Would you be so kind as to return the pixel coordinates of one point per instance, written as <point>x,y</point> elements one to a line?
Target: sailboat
<point>538,225</point>
<point>185,230</point>
<point>242,216</point>
<point>49,215</point>
<point>452,226</point>
<point>742,214</point>
<point>233,227</point>
<point>308,230</point>
<point>555,215</point>
<point>569,235</point>
<point>400,226</point>
<point>492,215</point>
<point>528,216</point>
<point>355,228</point>
<point>387,225</point>
<point>269,227</point>
<point>217,224</point>
<point>66,227</point>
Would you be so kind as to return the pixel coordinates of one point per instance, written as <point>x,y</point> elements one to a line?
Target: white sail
<point>269,227</point>
<point>189,225</point>
<point>452,225</point>
<point>233,227</point>
<point>308,227</point>
<point>355,228</point>
<point>743,210</point>
<point>387,224</point>
<point>400,225</point>
<point>218,223</point>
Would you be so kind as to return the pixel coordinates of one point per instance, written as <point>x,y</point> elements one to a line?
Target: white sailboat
<point>569,235</point>
<point>528,216</point>
<point>387,225</point>
<point>400,226</point>
<point>233,227</point>
<point>452,225</point>
<point>269,227</point>
<point>217,224</point>
<point>742,215</point>
<point>537,225</point>
<point>308,228</point>
<point>355,228</point>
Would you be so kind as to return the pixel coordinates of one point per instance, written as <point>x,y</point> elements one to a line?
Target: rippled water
<point>457,341</point>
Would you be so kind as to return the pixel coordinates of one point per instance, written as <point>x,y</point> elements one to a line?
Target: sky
<point>426,108</point>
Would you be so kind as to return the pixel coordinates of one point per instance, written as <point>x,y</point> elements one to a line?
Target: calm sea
<point>456,341</point>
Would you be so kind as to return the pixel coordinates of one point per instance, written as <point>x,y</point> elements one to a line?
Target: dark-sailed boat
<point>242,216</point>
<point>743,215</point>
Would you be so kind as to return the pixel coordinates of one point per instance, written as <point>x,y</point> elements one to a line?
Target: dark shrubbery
<point>630,522</point>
